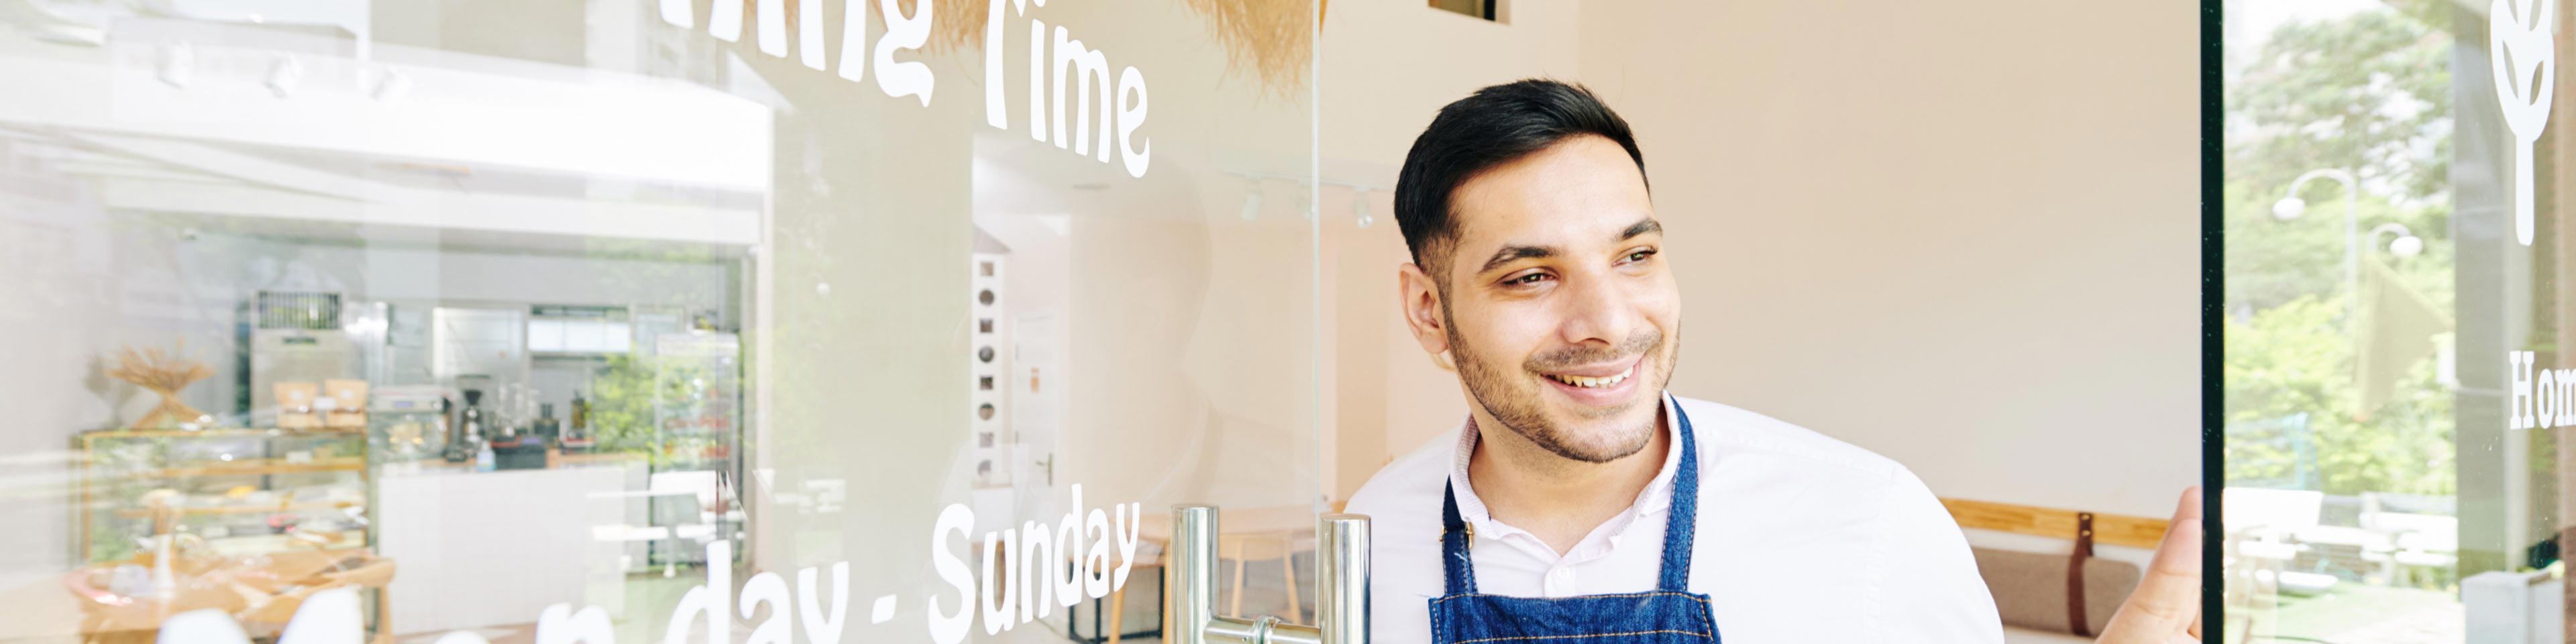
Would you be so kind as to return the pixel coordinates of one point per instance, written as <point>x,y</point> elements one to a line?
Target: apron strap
<point>1682,517</point>
<point>1456,567</point>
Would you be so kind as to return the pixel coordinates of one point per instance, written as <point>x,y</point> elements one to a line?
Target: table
<point>1237,530</point>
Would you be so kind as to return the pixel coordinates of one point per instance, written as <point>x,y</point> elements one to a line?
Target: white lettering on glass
<point>2518,404</point>
<point>768,588</point>
<point>711,600</point>
<point>1121,105</point>
<point>854,42</point>
<point>2545,402</point>
<point>2544,399</point>
<point>818,628</point>
<point>2522,52</point>
<point>1083,66</point>
<point>908,78</point>
<point>1131,113</point>
<point>999,605</point>
<point>809,34</point>
<point>334,617</point>
<point>951,629</point>
<point>558,624</point>
<point>1075,69</point>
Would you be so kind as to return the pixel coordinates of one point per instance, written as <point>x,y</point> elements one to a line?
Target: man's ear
<point>1420,305</point>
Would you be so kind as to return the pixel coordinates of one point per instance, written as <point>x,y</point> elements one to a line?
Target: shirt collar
<point>1657,496</point>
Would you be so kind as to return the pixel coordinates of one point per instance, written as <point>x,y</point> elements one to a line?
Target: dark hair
<point>1494,126</point>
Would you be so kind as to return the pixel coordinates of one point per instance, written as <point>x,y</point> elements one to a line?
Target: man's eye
<point>1640,256</point>
<point>1532,278</point>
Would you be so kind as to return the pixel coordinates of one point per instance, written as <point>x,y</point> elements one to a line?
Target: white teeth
<point>1596,383</point>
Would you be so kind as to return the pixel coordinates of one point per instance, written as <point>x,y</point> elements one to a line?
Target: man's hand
<point>2166,607</point>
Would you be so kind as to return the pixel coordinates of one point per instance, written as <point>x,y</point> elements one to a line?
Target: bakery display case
<point>242,491</point>
<point>251,522</point>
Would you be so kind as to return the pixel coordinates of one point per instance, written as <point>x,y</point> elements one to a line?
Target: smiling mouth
<point>1593,382</point>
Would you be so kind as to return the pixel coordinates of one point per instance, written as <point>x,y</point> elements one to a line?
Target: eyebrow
<point>1513,253</point>
<point>1509,254</point>
<point>1643,226</point>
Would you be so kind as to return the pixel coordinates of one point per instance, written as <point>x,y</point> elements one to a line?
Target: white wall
<point>1963,235</point>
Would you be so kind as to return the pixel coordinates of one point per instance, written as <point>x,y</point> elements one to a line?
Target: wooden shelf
<point>245,508</point>
<point>255,466</point>
<point>220,432</point>
<point>2113,529</point>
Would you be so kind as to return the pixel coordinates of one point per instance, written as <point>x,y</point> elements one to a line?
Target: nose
<point>1596,308</point>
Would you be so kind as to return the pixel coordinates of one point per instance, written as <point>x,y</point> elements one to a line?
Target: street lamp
<point>2405,245</point>
<point>2291,207</point>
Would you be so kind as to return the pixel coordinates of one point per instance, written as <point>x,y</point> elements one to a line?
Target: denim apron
<point>1670,614</point>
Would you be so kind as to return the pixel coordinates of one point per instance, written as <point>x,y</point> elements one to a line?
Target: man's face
<point>1554,299</point>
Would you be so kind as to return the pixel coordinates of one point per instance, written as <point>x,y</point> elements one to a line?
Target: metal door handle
<point>1342,579</point>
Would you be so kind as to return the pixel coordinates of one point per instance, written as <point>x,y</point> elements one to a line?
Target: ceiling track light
<point>391,85</point>
<point>284,75</point>
<point>178,64</point>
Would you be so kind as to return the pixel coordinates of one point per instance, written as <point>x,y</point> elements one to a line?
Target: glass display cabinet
<point>243,491</point>
<point>247,521</point>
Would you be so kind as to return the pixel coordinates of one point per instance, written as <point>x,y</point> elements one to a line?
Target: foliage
<point>2271,262</point>
<point>2370,93</point>
<point>621,404</point>
<point>2294,359</point>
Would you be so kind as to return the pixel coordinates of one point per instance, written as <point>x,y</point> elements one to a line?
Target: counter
<point>490,548</point>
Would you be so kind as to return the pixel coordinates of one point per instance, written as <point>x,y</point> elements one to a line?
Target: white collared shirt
<point>1799,538</point>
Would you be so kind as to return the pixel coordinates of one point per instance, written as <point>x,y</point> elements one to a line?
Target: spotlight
<point>284,75</point>
<point>391,85</point>
<point>1252,204</point>
<point>178,64</point>
<point>1360,209</point>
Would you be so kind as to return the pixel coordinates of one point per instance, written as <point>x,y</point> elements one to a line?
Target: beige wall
<point>1387,66</point>
<point>1961,235</point>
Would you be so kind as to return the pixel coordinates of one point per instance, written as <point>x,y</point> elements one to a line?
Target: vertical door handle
<point>1342,581</point>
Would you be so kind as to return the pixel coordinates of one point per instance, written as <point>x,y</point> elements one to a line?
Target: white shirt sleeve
<point>1931,591</point>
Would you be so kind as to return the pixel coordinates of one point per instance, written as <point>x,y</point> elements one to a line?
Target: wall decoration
<point>162,373</point>
<point>989,427</point>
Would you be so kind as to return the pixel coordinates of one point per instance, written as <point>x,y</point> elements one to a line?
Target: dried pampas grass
<point>163,373</point>
<point>1271,39</point>
<point>1274,38</point>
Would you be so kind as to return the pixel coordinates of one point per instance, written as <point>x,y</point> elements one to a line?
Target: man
<point>1579,503</point>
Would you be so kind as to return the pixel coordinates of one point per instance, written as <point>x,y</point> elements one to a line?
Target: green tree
<point>2368,92</point>
<point>2293,359</point>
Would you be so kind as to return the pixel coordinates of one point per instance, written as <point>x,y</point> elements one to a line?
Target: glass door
<point>2396,308</point>
<point>661,320</point>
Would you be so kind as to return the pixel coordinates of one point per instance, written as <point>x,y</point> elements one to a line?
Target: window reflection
<point>2377,294</point>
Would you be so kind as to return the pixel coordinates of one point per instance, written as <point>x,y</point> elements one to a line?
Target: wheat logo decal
<point>2523,55</point>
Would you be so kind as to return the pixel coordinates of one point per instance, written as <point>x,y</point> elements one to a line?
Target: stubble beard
<point>1514,398</point>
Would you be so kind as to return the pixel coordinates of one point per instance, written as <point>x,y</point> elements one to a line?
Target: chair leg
<point>1117,610</point>
<point>1235,607</point>
<point>1288,565</point>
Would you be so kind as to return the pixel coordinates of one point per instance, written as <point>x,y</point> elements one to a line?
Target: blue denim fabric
<point>1669,614</point>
